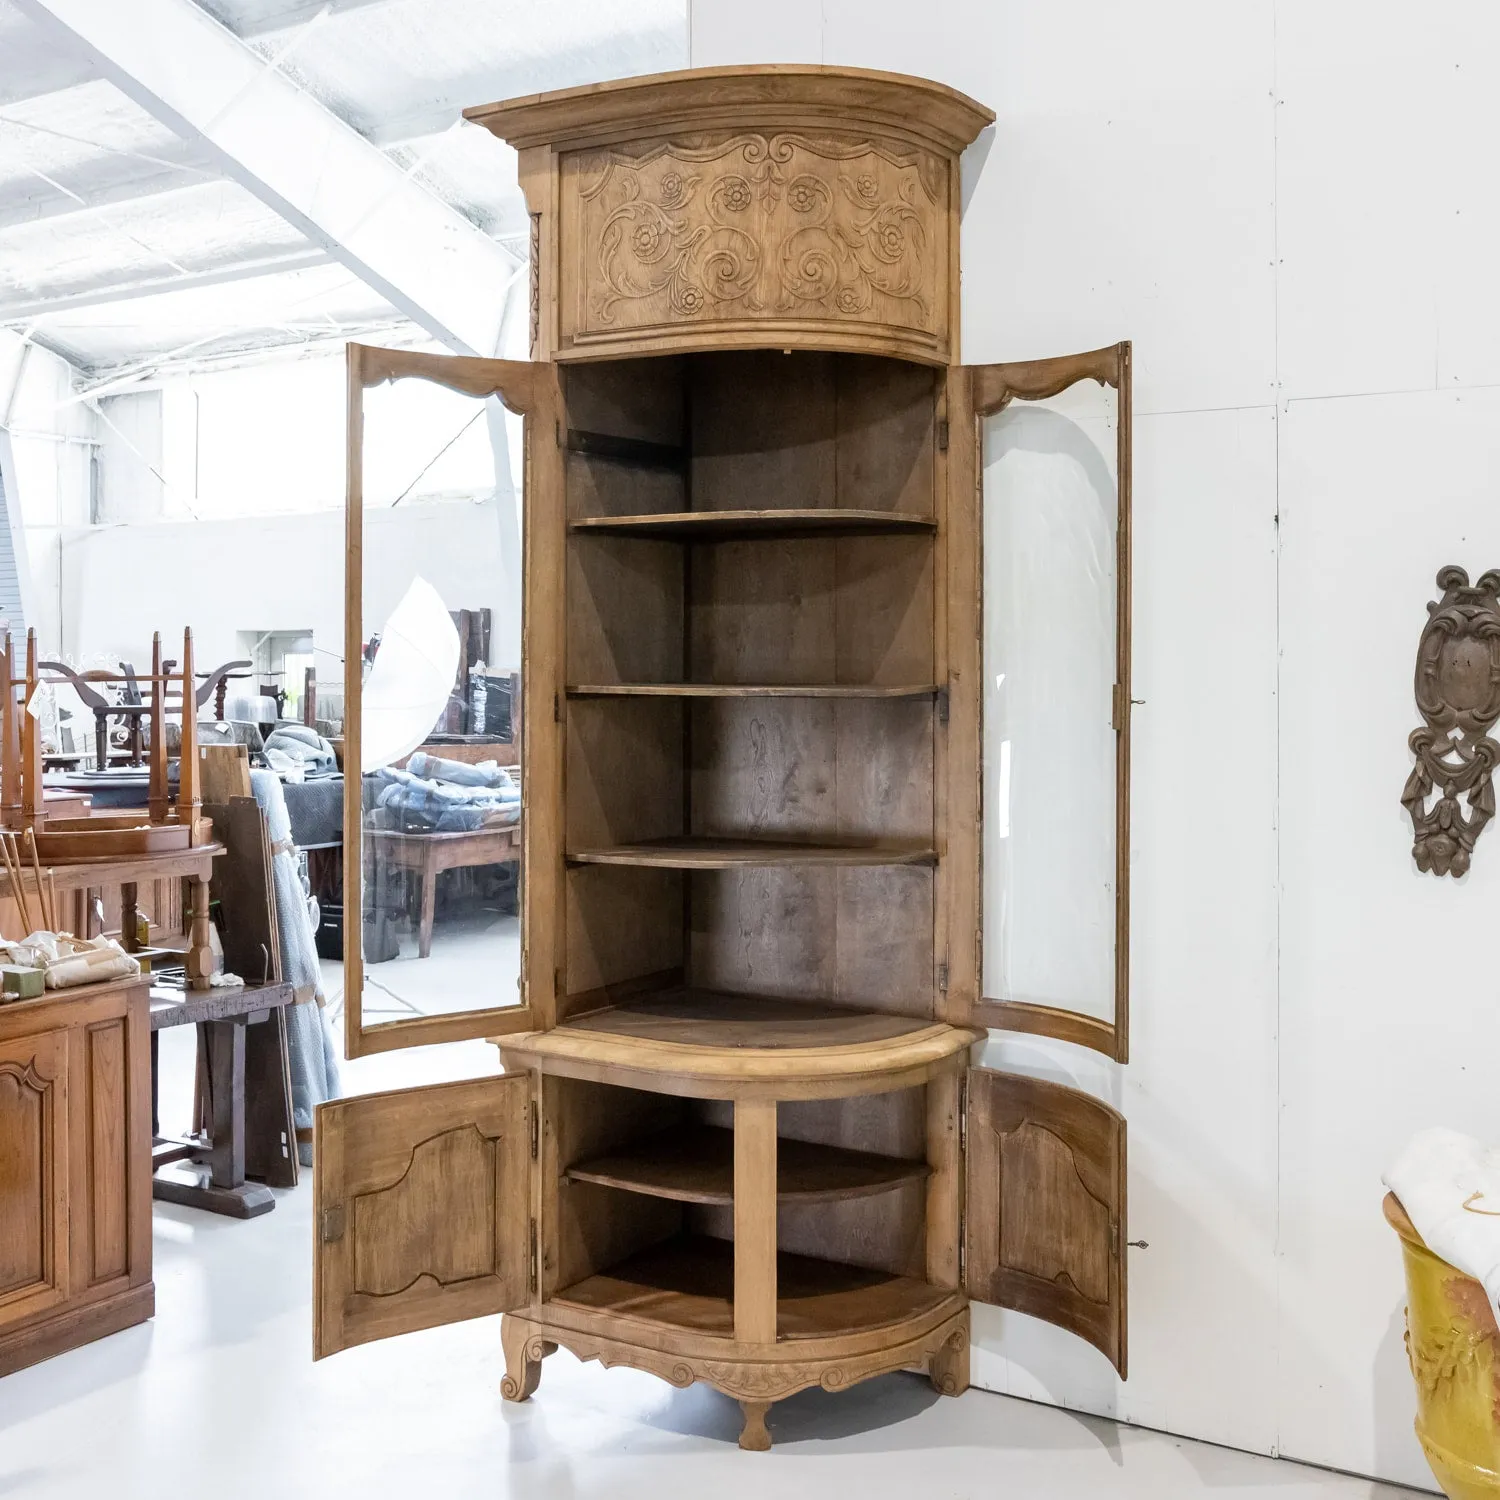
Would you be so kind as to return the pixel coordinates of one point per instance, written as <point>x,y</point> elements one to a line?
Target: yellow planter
<point>1454,1348</point>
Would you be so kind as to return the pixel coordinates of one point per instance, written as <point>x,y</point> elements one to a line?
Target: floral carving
<point>757,225</point>
<point>1450,794</point>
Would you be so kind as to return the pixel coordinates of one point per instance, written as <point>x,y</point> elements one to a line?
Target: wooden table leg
<point>217,1183</point>
<point>128,917</point>
<point>429,901</point>
<point>200,954</point>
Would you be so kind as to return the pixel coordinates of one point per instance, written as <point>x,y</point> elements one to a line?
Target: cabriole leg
<point>524,1354</point>
<point>755,1436</point>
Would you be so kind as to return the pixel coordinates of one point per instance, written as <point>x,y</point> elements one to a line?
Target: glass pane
<point>441,625</point>
<point>1050,514</point>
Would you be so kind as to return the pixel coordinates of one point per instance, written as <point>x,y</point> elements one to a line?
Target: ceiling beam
<point>14,313</point>
<point>298,157</point>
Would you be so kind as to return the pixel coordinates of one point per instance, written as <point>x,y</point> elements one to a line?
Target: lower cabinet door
<point>1045,1206</point>
<point>33,1175</point>
<point>422,1209</point>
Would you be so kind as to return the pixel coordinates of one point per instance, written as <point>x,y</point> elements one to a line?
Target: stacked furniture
<point>738,1138</point>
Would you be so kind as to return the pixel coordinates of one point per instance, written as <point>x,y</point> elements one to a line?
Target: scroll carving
<point>1450,794</point>
<point>753,225</point>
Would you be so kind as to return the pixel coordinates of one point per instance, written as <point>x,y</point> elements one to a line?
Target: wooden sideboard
<point>75,1169</point>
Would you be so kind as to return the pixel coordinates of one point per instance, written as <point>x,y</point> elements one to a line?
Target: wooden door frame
<point>977,392</point>
<point>531,391</point>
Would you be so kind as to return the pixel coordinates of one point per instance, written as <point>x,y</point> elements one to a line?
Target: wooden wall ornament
<point>1457,688</point>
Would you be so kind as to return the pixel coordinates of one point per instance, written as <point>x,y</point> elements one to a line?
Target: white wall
<point>264,573</point>
<point>1289,207</point>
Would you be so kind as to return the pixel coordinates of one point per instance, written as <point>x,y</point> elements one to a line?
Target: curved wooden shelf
<point>743,525</point>
<point>696,1165</point>
<point>688,1284</point>
<point>703,1045</point>
<point>736,854</point>
<point>744,690</point>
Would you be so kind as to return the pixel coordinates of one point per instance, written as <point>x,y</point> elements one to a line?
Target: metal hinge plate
<point>942,977</point>
<point>331,1229</point>
<point>942,435</point>
<point>942,705</point>
<point>535,1128</point>
<point>531,1273</point>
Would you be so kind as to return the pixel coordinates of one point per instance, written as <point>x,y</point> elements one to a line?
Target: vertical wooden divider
<point>755,1221</point>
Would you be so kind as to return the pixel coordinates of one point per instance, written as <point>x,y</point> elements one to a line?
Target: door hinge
<point>1114,1237</point>
<point>1117,708</point>
<point>942,977</point>
<point>535,1128</point>
<point>557,717</point>
<point>531,1273</point>
<point>963,1252</point>
<point>331,1230</point>
<point>942,705</point>
<point>942,435</point>
<point>963,1118</point>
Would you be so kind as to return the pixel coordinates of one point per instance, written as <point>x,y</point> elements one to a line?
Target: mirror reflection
<point>440,832</point>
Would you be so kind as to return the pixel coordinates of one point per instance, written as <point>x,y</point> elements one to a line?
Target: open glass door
<point>1044,775</point>
<point>436,808</point>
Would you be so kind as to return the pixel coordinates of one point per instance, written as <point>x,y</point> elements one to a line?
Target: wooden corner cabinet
<point>738,1137</point>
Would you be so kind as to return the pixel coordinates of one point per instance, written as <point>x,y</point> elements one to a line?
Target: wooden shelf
<point>704,853</point>
<point>705,1044</point>
<point>688,1283</point>
<point>696,1165</point>
<point>740,525</point>
<point>718,1018</point>
<point>744,690</point>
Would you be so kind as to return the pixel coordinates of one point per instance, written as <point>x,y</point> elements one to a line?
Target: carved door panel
<point>33,1175</point>
<point>461,616</point>
<point>1039,564</point>
<point>422,1209</point>
<point>1045,1206</point>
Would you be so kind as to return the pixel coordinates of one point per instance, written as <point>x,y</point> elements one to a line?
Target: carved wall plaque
<point>1450,793</point>
<point>763,227</point>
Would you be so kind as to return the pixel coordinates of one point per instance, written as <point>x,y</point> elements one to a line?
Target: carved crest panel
<point>781,227</point>
<point>1450,794</point>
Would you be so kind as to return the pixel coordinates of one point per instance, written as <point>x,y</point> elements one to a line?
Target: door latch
<point>331,1230</point>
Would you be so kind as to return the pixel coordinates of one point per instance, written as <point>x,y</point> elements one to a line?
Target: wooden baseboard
<point>80,1325</point>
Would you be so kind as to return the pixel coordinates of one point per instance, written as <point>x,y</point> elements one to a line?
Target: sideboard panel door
<point>33,1175</point>
<point>422,1209</point>
<point>1045,1210</point>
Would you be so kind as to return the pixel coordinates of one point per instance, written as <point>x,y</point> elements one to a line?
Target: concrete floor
<point>219,1396</point>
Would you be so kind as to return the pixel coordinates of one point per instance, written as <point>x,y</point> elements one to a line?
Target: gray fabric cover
<point>314,1059</point>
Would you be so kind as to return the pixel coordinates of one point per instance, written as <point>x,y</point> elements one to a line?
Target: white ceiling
<point>122,249</point>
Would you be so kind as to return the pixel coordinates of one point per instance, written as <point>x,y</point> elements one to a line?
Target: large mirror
<point>433,814</point>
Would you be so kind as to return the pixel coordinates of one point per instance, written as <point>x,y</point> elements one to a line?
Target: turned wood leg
<point>948,1369</point>
<point>755,1436</point>
<point>524,1353</point>
<point>128,916</point>
<point>200,954</point>
<point>429,903</point>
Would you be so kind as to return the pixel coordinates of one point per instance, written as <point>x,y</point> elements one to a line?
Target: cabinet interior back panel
<point>861,938</point>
